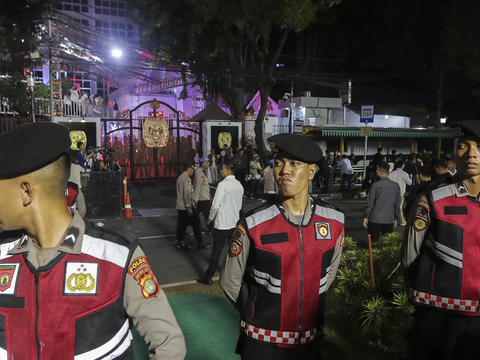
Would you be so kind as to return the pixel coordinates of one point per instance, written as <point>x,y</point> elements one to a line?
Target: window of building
<point>106,32</point>
<point>98,11</point>
<point>76,1</point>
<point>121,34</point>
<point>129,35</point>
<point>114,25</point>
<point>85,22</point>
<point>121,13</point>
<point>121,26</point>
<point>76,20</point>
<point>68,0</point>
<point>113,12</point>
<point>60,7</point>
<point>106,11</point>
<point>121,5</point>
<point>113,4</point>
<point>106,24</point>
<point>84,2</point>
<point>98,2</point>
<point>86,83</point>
<point>98,23</point>
<point>84,9</point>
<point>76,8</point>
<point>106,3</point>
<point>129,27</point>
<point>68,7</point>
<point>114,33</point>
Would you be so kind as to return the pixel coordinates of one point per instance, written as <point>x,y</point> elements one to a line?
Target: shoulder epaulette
<point>321,202</point>
<point>110,233</point>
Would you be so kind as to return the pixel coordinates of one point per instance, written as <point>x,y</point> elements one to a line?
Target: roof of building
<point>349,131</point>
<point>212,112</point>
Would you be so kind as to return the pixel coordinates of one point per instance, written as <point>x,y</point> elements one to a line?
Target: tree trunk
<point>238,105</point>
<point>261,148</point>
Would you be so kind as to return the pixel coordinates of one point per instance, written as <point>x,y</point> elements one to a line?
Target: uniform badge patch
<point>322,231</point>
<point>81,278</point>
<point>420,223</point>
<point>424,204</point>
<point>235,247</point>
<point>9,273</point>
<point>142,272</point>
<point>135,265</point>
<point>149,285</point>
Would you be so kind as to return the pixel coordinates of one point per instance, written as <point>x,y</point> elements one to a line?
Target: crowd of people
<point>67,278</point>
<point>74,102</point>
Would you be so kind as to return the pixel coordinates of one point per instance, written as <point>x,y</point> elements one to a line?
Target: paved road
<point>155,225</point>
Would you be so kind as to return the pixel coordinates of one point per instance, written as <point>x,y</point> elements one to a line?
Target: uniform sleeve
<point>186,191</point>
<point>414,235</point>
<point>337,254</point>
<point>147,305</point>
<point>198,186</point>
<point>232,274</point>
<point>217,200</point>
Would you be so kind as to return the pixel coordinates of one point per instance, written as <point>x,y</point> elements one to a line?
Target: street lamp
<point>443,120</point>
<point>117,53</point>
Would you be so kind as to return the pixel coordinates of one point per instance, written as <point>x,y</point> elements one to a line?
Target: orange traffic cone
<point>128,209</point>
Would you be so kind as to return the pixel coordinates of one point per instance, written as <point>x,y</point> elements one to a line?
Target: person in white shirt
<point>347,172</point>
<point>256,174</point>
<point>452,167</point>
<point>403,180</point>
<point>225,210</point>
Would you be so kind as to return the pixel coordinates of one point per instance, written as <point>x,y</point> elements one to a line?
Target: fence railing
<point>73,109</point>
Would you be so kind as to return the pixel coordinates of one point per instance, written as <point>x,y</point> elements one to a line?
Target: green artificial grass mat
<point>210,326</point>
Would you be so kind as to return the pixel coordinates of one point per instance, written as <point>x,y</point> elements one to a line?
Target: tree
<point>18,27</point>
<point>238,40</point>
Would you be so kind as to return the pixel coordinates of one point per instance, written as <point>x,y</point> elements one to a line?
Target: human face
<point>451,165</point>
<point>292,176</point>
<point>190,171</point>
<point>225,172</point>
<point>467,156</point>
<point>205,165</point>
<point>83,147</point>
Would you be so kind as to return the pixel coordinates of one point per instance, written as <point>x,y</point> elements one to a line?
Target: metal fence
<point>75,109</point>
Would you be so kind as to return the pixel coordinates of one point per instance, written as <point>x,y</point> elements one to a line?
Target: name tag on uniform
<point>9,273</point>
<point>81,278</point>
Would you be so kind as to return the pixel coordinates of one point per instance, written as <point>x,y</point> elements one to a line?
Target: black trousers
<point>257,350</point>
<point>436,335</point>
<point>374,230</point>
<point>220,237</point>
<point>203,207</point>
<point>240,175</point>
<point>347,178</point>
<point>254,185</point>
<point>183,221</point>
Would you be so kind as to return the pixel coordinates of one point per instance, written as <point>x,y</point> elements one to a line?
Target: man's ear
<point>313,170</point>
<point>28,192</point>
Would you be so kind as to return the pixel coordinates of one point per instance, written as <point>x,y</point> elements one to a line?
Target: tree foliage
<point>18,29</point>
<point>228,46</point>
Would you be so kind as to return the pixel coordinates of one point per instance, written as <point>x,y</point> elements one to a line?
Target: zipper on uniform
<point>37,275</point>
<point>254,300</point>
<point>301,285</point>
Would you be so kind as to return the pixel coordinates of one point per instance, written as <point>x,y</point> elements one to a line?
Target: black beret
<point>32,146</point>
<point>300,147</point>
<point>466,127</point>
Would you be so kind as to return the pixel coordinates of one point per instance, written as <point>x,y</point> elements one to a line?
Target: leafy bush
<point>374,320</point>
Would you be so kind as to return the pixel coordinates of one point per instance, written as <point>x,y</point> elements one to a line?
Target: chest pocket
<point>274,238</point>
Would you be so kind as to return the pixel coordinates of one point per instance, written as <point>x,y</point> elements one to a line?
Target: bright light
<point>116,53</point>
<point>386,116</point>
<point>443,120</point>
<point>82,121</point>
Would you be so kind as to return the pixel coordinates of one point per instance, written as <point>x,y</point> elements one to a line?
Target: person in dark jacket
<point>425,176</point>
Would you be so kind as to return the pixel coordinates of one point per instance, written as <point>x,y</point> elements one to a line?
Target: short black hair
<point>230,167</point>
<point>411,157</point>
<point>344,156</point>
<point>187,165</point>
<point>54,176</point>
<point>379,149</point>
<point>440,164</point>
<point>80,143</point>
<point>384,167</point>
<point>425,171</point>
<point>399,164</point>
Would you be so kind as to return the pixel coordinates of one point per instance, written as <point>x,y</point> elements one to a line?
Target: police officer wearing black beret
<point>69,288</point>
<point>283,258</point>
<point>441,258</point>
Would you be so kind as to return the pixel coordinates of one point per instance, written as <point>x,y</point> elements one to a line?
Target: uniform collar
<point>460,189</point>
<point>292,218</point>
<point>229,177</point>
<point>71,241</point>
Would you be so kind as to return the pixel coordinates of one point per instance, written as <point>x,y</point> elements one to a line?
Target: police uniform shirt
<point>202,189</point>
<point>269,186</point>
<point>232,274</point>
<point>184,192</point>
<point>153,317</point>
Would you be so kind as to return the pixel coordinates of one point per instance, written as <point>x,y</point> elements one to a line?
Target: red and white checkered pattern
<point>278,337</point>
<point>444,302</point>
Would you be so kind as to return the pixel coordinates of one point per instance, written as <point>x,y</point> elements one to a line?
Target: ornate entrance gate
<point>124,136</point>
